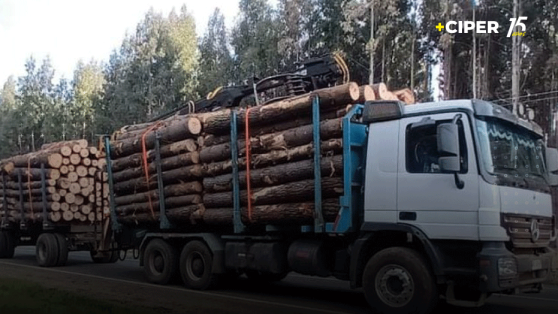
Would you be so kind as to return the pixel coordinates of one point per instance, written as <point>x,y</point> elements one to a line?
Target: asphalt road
<point>295,294</point>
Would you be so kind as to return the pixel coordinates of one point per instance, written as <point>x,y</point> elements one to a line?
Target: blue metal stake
<point>46,224</point>
<point>20,183</point>
<point>163,220</point>
<point>319,218</point>
<point>237,215</point>
<point>115,225</point>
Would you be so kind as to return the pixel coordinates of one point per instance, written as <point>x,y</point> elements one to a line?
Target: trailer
<point>32,216</point>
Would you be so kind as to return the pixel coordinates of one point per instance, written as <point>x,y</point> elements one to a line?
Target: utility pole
<point>371,44</point>
<point>515,62</point>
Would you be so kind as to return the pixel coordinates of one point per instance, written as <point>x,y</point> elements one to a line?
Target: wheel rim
<point>157,262</point>
<point>394,285</point>
<point>195,266</point>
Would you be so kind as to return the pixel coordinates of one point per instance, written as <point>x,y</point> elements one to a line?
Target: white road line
<point>178,289</point>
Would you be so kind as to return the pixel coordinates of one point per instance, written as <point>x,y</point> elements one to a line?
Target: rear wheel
<point>196,263</point>
<point>159,262</point>
<point>398,280</point>
<point>62,249</point>
<point>47,251</point>
<point>7,244</point>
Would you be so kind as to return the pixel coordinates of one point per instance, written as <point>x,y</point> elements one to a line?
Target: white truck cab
<point>474,181</point>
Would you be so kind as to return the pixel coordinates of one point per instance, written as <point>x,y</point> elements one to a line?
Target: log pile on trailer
<point>191,157</point>
<point>63,178</point>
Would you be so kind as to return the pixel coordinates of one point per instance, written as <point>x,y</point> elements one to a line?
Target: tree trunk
<point>289,172</point>
<point>274,157</point>
<point>170,190</point>
<point>299,191</point>
<point>366,94</point>
<point>33,160</point>
<point>168,163</point>
<point>169,132</point>
<point>135,160</point>
<point>170,202</point>
<point>139,184</point>
<point>275,141</point>
<point>35,174</point>
<point>330,98</point>
<point>277,214</point>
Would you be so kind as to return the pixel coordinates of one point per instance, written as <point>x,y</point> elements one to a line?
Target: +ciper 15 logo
<point>483,27</point>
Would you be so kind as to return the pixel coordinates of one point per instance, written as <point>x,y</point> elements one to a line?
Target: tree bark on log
<point>168,163</point>
<point>299,191</point>
<point>35,174</point>
<point>275,141</point>
<point>294,171</point>
<point>170,190</point>
<point>330,98</point>
<point>274,157</point>
<point>33,160</point>
<point>277,214</point>
<point>212,140</point>
<point>181,214</point>
<point>170,202</point>
<point>171,131</point>
<point>135,160</point>
<point>188,173</point>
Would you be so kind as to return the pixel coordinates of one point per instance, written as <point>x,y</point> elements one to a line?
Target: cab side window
<point>422,148</point>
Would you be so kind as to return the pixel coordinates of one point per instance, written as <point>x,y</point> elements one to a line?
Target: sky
<point>70,30</point>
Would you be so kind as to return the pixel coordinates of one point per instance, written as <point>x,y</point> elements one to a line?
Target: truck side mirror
<point>552,165</point>
<point>448,147</point>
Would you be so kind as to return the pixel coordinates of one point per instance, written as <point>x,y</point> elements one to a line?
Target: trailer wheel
<point>7,244</point>
<point>196,263</point>
<point>159,262</point>
<point>261,277</point>
<point>46,250</point>
<point>398,280</point>
<point>62,249</point>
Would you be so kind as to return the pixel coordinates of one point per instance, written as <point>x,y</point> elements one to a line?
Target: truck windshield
<point>510,150</point>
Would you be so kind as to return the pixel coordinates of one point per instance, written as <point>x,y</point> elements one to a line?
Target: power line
<point>527,96</point>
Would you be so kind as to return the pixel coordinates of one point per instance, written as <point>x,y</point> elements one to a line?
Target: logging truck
<point>413,203</point>
<point>447,200</point>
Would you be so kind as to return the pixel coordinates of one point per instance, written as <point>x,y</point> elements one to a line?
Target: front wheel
<point>398,280</point>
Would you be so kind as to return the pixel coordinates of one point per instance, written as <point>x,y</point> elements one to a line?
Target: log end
<point>366,93</point>
<point>194,125</point>
<point>354,92</point>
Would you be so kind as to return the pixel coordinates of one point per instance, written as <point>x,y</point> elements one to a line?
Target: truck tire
<point>46,250</point>
<point>196,263</point>
<point>159,262</point>
<point>62,249</point>
<point>7,244</point>
<point>398,280</point>
<point>260,277</point>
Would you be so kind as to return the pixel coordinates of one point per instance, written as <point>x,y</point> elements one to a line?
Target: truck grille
<point>523,230</point>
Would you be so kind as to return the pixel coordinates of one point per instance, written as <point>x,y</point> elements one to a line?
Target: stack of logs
<point>196,166</point>
<point>76,189</point>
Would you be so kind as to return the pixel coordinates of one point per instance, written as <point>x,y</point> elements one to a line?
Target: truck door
<point>428,198</point>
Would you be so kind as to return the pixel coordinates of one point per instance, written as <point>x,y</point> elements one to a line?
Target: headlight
<point>507,267</point>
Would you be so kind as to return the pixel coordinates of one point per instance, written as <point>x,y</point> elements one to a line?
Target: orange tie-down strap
<point>145,164</point>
